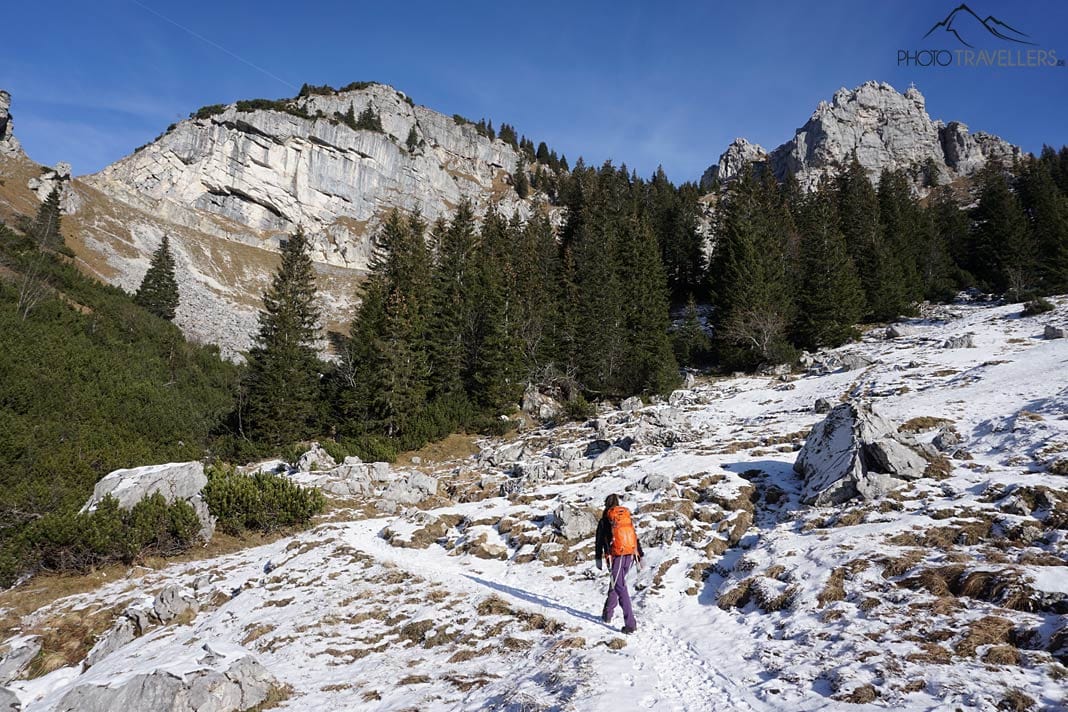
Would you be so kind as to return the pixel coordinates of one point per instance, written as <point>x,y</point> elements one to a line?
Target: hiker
<point>618,541</point>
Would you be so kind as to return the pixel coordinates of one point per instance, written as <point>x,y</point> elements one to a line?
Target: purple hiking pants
<point>618,591</point>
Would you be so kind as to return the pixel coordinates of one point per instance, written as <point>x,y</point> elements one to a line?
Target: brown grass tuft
<point>988,630</point>
<point>834,589</point>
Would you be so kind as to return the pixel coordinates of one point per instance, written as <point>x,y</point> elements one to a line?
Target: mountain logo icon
<point>964,24</point>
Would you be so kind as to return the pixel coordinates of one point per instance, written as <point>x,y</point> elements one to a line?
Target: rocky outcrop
<point>884,129</point>
<point>9,145</point>
<point>209,678</point>
<point>732,161</point>
<point>854,453</point>
<point>175,481</point>
<point>270,167</point>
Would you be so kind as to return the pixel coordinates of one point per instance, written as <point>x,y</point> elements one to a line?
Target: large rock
<point>316,458</point>
<point>9,145</point>
<point>175,481</point>
<point>854,452</point>
<point>122,632</point>
<point>574,522</point>
<point>1054,332</point>
<point>885,130</point>
<point>9,701</point>
<point>411,490</point>
<point>212,678</point>
<point>609,457</point>
<point>540,406</point>
<point>963,341</point>
<point>15,656</point>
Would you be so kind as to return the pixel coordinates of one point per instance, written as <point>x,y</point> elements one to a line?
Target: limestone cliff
<point>302,162</point>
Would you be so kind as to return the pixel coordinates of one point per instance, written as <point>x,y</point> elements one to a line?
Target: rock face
<point>732,161</point>
<point>270,168</point>
<point>884,129</point>
<point>854,452</point>
<point>15,655</point>
<point>175,481</point>
<point>9,145</point>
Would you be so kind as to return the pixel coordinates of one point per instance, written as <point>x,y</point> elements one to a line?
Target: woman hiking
<point>618,542</point>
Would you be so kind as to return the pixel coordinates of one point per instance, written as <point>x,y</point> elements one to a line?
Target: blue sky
<point>641,83</point>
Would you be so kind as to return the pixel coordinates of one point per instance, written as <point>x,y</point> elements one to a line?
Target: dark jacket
<point>604,540</point>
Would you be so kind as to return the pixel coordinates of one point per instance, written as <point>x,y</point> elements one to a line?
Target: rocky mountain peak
<point>884,129</point>
<point>739,154</point>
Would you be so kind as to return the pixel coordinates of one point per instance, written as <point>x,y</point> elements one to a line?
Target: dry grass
<point>933,654</point>
<point>988,630</point>
<point>861,695</point>
<point>1001,655</point>
<point>923,423</point>
<point>275,696</point>
<point>1016,701</point>
<point>736,597</point>
<point>834,589</point>
<point>457,446</point>
<point>894,566</point>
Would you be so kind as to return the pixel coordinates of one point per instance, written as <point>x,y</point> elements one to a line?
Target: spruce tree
<point>753,293</point>
<point>858,219</point>
<point>282,378</point>
<point>830,300</point>
<point>689,340</point>
<point>894,282</point>
<point>451,320</point>
<point>1001,240</point>
<point>158,292</point>
<point>46,224</point>
<point>1047,213</point>
<point>649,365</point>
<point>522,181</point>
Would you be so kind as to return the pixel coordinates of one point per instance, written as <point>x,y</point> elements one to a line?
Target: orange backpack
<point>624,539</point>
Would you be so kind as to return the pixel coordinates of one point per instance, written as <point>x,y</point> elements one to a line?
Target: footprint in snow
<point>648,701</point>
<point>628,679</point>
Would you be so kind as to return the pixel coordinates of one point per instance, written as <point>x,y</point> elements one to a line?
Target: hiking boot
<point>605,619</point>
<point>628,629</point>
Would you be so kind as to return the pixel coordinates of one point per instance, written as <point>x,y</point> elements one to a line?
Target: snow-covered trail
<point>685,656</point>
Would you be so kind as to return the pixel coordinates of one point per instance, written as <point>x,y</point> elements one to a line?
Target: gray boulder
<point>568,452</point>
<point>689,381</point>
<point>964,341</point>
<point>510,452</point>
<point>947,439</point>
<point>896,459</point>
<point>123,631</point>
<point>316,458</point>
<point>631,405</point>
<point>171,603</point>
<point>9,701</point>
<point>540,406</point>
<point>897,331</point>
<point>822,405</point>
<point>609,457</point>
<point>211,683</point>
<point>574,523</point>
<point>654,482</point>
<point>15,656</point>
<point>1054,332</point>
<point>855,361</point>
<point>854,452</point>
<point>175,481</point>
<point>411,490</point>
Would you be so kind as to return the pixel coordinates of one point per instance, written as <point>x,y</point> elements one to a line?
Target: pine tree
<point>953,229</point>
<point>369,120</point>
<point>158,292</point>
<point>829,299</point>
<point>538,288</point>
<point>45,226</point>
<point>893,284</point>
<point>282,378</point>
<point>858,219</point>
<point>412,141</point>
